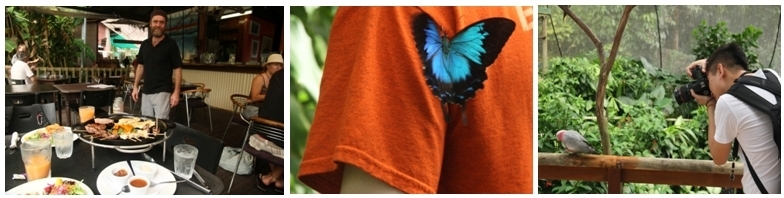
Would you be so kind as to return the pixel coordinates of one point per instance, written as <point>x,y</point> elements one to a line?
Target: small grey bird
<point>574,143</point>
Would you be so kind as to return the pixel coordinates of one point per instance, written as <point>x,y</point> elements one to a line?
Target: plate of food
<point>46,133</point>
<point>106,184</point>
<point>51,186</point>
<point>124,130</point>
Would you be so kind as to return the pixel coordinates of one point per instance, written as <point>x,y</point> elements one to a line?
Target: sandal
<point>260,183</point>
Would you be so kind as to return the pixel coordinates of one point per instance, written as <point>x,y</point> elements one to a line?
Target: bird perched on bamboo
<point>574,143</point>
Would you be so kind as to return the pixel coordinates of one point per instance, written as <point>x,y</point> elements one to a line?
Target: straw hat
<point>274,58</point>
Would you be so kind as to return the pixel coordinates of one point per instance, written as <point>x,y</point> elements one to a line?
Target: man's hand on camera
<point>703,100</point>
<point>700,62</point>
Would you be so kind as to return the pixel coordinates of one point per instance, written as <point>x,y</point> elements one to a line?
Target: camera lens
<point>682,94</point>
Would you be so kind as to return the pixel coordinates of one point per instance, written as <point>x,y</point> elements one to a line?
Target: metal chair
<point>239,101</point>
<point>128,93</point>
<point>20,99</point>
<point>270,130</point>
<point>197,99</point>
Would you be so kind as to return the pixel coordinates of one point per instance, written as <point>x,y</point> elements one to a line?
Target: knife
<point>204,188</point>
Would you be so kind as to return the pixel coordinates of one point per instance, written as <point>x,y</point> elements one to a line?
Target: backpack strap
<point>752,99</point>
<point>754,176</point>
<point>771,84</point>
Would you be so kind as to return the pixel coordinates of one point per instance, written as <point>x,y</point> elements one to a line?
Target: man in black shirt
<point>160,57</point>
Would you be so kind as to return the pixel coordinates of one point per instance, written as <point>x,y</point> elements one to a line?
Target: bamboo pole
<point>642,163</point>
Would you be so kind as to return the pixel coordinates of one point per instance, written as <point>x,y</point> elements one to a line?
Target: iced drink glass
<point>86,113</point>
<point>37,158</point>
<point>185,160</point>
<point>63,143</point>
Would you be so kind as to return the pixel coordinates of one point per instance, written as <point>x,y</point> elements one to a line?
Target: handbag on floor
<point>229,158</point>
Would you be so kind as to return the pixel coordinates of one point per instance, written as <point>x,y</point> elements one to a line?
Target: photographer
<point>730,118</point>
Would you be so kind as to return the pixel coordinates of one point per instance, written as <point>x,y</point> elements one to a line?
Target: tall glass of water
<point>185,160</point>
<point>63,143</point>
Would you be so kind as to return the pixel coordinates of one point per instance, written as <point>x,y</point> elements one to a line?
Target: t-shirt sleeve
<point>375,110</point>
<point>28,72</point>
<point>726,122</point>
<point>140,55</point>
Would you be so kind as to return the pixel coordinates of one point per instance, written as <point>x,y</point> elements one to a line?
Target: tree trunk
<point>603,74</point>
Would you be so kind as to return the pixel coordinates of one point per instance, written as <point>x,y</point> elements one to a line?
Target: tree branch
<point>587,31</point>
<point>603,74</point>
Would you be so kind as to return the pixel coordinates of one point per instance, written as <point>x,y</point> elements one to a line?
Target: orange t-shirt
<point>377,113</point>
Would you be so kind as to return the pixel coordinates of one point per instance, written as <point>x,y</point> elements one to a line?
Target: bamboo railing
<point>619,169</point>
<point>84,74</point>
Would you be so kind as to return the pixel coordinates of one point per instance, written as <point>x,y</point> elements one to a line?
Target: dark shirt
<point>158,62</point>
<point>272,108</point>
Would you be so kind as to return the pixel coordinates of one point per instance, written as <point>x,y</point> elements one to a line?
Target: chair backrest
<point>210,148</point>
<point>268,129</point>
<point>200,85</point>
<point>97,98</point>
<point>20,99</point>
<point>28,117</point>
<point>73,80</point>
<point>197,93</point>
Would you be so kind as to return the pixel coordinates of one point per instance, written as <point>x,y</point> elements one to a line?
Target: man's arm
<point>357,181</point>
<point>719,152</point>
<point>177,80</point>
<point>138,76</point>
<point>31,75</point>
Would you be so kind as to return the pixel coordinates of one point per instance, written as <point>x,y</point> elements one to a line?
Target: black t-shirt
<point>158,62</point>
<point>272,108</point>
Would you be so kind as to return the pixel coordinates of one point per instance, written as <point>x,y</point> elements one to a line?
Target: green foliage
<point>310,27</point>
<point>52,38</point>
<point>709,38</point>
<point>639,101</point>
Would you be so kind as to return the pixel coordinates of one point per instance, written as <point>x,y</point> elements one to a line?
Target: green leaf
<point>10,45</point>
<point>658,93</point>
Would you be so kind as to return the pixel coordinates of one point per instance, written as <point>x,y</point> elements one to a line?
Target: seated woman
<point>272,109</point>
<point>258,90</point>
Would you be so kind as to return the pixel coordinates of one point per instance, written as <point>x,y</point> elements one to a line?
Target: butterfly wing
<point>454,70</point>
<point>428,44</point>
<point>472,50</point>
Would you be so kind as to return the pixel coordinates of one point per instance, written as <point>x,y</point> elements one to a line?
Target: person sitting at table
<point>21,47</point>
<point>272,109</point>
<point>258,90</point>
<point>21,73</point>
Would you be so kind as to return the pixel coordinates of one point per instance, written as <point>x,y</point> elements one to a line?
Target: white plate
<point>107,187</point>
<point>37,186</point>
<point>27,135</point>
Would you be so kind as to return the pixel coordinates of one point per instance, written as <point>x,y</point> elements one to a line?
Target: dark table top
<point>34,88</point>
<point>79,166</point>
<point>77,88</point>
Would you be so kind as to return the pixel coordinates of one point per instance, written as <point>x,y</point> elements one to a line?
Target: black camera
<point>699,85</point>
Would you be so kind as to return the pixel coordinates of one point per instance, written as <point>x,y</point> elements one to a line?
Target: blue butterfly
<point>455,69</point>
